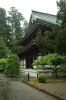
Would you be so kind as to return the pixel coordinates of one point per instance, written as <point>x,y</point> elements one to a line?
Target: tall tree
<point>55,40</point>
<point>61,36</point>
<point>45,42</point>
<point>61,42</point>
<point>3,52</point>
<point>25,25</point>
<point>3,23</point>
<point>61,14</point>
<point>4,28</point>
<point>14,20</point>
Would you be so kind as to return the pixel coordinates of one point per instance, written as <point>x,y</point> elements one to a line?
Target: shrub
<point>38,67</point>
<point>2,64</point>
<point>41,78</point>
<point>1,68</point>
<point>12,68</point>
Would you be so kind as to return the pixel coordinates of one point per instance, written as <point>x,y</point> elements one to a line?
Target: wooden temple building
<point>30,51</point>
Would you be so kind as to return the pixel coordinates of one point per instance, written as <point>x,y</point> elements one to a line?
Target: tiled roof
<point>45,17</point>
<point>36,17</point>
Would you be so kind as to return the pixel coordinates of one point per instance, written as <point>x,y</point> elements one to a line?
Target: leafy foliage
<point>52,60</point>
<point>2,48</point>
<point>57,59</point>
<point>54,41</point>
<point>44,42</point>
<point>61,14</point>
<point>38,67</point>
<point>3,24</point>
<point>16,48</point>
<point>61,41</point>
<point>61,36</point>
<point>4,27</point>
<point>54,32</point>
<point>15,18</point>
<point>3,62</point>
<point>25,25</point>
<point>11,28</point>
<point>63,66</point>
<point>41,78</point>
<point>12,67</point>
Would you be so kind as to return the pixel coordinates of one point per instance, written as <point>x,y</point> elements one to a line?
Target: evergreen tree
<point>61,14</point>
<point>25,25</point>
<point>3,24</point>
<point>61,36</point>
<point>15,18</point>
<point>11,28</point>
<point>45,42</point>
<point>3,52</point>
<point>4,28</point>
<point>61,41</point>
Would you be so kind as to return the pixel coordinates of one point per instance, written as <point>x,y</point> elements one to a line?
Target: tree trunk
<point>12,74</point>
<point>56,73</point>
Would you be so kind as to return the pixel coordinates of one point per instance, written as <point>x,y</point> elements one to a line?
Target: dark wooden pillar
<point>29,61</point>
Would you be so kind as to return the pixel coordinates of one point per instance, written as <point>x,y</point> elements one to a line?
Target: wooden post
<point>37,75</point>
<point>28,76</point>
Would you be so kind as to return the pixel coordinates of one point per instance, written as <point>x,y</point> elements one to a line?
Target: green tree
<point>3,64</point>
<point>61,42</point>
<point>3,52</point>
<point>56,60</point>
<point>15,20</point>
<point>4,28</point>
<point>61,14</point>
<point>52,60</point>
<point>55,31</point>
<point>45,42</point>
<point>3,23</point>
<point>16,48</point>
<point>61,36</point>
<point>63,67</point>
<point>25,25</point>
<point>12,68</point>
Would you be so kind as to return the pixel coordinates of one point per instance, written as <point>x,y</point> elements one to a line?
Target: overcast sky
<point>25,6</point>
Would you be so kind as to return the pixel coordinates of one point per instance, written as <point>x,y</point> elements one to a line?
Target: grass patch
<point>56,80</point>
<point>48,80</point>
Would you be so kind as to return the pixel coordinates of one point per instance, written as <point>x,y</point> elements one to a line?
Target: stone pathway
<point>13,88</point>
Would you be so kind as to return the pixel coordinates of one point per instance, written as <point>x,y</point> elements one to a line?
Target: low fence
<point>29,73</point>
<point>50,73</point>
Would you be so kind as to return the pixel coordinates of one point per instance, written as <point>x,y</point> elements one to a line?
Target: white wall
<point>23,63</point>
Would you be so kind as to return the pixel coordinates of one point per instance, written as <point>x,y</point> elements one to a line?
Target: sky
<point>25,6</point>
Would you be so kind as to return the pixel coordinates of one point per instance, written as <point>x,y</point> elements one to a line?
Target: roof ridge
<point>42,13</point>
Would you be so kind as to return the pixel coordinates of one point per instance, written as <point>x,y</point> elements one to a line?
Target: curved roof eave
<point>27,47</point>
<point>36,16</point>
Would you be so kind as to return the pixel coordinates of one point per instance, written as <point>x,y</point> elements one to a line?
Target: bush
<point>12,68</point>
<point>2,64</point>
<point>38,67</point>
<point>41,78</point>
<point>1,68</point>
